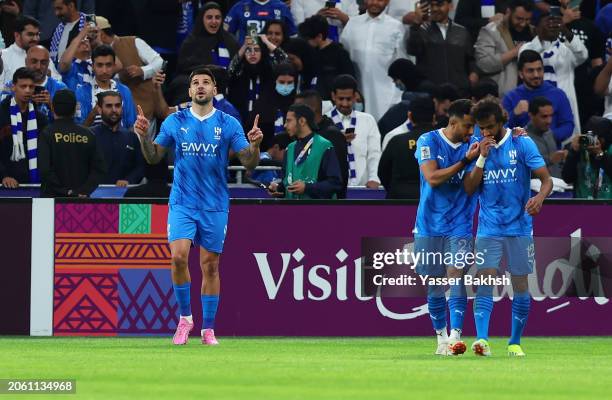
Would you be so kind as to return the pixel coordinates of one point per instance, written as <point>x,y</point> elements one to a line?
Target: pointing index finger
<point>140,112</point>
<point>256,121</point>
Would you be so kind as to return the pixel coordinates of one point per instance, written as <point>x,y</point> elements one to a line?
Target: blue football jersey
<point>201,146</point>
<point>445,210</point>
<point>248,13</point>
<point>504,190</point>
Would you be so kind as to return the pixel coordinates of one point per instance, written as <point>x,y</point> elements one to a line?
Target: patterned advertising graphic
<point>112,270</point>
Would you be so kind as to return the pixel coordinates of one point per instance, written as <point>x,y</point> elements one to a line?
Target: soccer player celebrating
<point>444,217</point>
<point>501,176</point>
<point>198,208</point>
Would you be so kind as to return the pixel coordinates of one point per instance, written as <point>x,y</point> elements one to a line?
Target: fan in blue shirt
<point>501,176</point>
<point>444,217</point>
<point>248,15</point>
<point>202,138</point>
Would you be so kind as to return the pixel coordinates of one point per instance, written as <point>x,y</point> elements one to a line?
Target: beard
<point>201,102</point>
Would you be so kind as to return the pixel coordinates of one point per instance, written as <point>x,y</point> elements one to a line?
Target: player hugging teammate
<point>451,183</point>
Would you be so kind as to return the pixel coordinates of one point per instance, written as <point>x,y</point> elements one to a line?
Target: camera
<point>330,4</point>
<point>587,139</point>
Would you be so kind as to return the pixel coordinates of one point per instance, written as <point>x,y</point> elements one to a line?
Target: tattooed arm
<point>249,157</point>
<point>152,153</point>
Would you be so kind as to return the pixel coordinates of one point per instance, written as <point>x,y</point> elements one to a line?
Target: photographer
<point>588,165</point>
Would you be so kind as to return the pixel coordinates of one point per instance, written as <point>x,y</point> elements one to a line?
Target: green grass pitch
<point>310,368</point>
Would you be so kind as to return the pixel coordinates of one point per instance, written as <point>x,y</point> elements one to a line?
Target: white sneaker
<point>442,349</point>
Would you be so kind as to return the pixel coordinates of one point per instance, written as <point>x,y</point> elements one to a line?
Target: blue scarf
<point>279,122</point>
<point>254,88</point>
<point>221,56</point>
<point>335,115</point>
<point>31,138</point>
<point>549,70</point>
<point>57,36</point>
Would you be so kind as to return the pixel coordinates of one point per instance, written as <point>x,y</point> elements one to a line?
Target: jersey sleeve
<point>165,138</point>
<point>238,141</point>
<point>426,149</point>
<point>233,18</point>
<point>531,154</point>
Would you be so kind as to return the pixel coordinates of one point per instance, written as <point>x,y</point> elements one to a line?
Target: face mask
<point>285,89</point>
<point>358,107</point>
<point>400,85</point>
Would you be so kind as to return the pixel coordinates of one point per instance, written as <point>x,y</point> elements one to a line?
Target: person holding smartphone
<point>560,57</point>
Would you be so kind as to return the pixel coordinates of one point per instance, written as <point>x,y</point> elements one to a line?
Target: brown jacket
<point>494,40</point>
<point>143,91</point>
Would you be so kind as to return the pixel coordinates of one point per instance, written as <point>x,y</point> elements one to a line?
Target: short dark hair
<point>484,88</point>
<point>528,5</point>
<point>107,93</point>
<point>459,108</point>
<point>423,110</point>
<point>303,111</point>
<point>344,81</point>
<point>313,26</point>
<point>102,51</point>
<point>23,73</point>
<point>24,20</point>
<point>446,91</point>
<point>67,2</point>
<point>537,102</point>
<point>312,99</point>
<point>202,71</point>
<point>284,69</point>
<point>528,56</point>
<point>487,107</point>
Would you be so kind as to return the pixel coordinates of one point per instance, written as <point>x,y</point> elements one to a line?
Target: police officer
<point>70,162</point>
<point>398,169</point>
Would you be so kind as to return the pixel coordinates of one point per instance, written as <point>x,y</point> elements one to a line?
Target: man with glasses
<point>27,34</point>
<point>38,61</point>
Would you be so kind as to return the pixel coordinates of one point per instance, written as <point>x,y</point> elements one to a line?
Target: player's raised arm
<point>153,153</point>
<point>249,157</point>
<point>436,176</point>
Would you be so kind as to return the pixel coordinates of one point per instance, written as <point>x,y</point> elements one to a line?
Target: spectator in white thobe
<point>374,40</point>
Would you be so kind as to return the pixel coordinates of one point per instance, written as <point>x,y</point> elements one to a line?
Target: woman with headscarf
<point>251,73</point>
<point>207,44</point>
<point>276,32</point>
<point>274,102</point>
<point>303,58</point>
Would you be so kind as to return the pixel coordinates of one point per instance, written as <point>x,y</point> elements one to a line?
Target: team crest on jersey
<point>277,13</point>
<point>218,132</point>
<point>512,154</point>
<point>247,14</point>
<point>425,153</point>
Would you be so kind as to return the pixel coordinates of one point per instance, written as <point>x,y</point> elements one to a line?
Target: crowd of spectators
<point>375,73</point>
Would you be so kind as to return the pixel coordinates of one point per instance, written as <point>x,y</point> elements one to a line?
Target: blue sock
<point>457,303</point>
<point>436,302</point>
<point>520,311</point>
<point>183,298</point>
<point>483,305</point>
<point>209,310</point>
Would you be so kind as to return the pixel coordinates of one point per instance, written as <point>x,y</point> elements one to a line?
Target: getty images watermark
<point>556,267</point>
